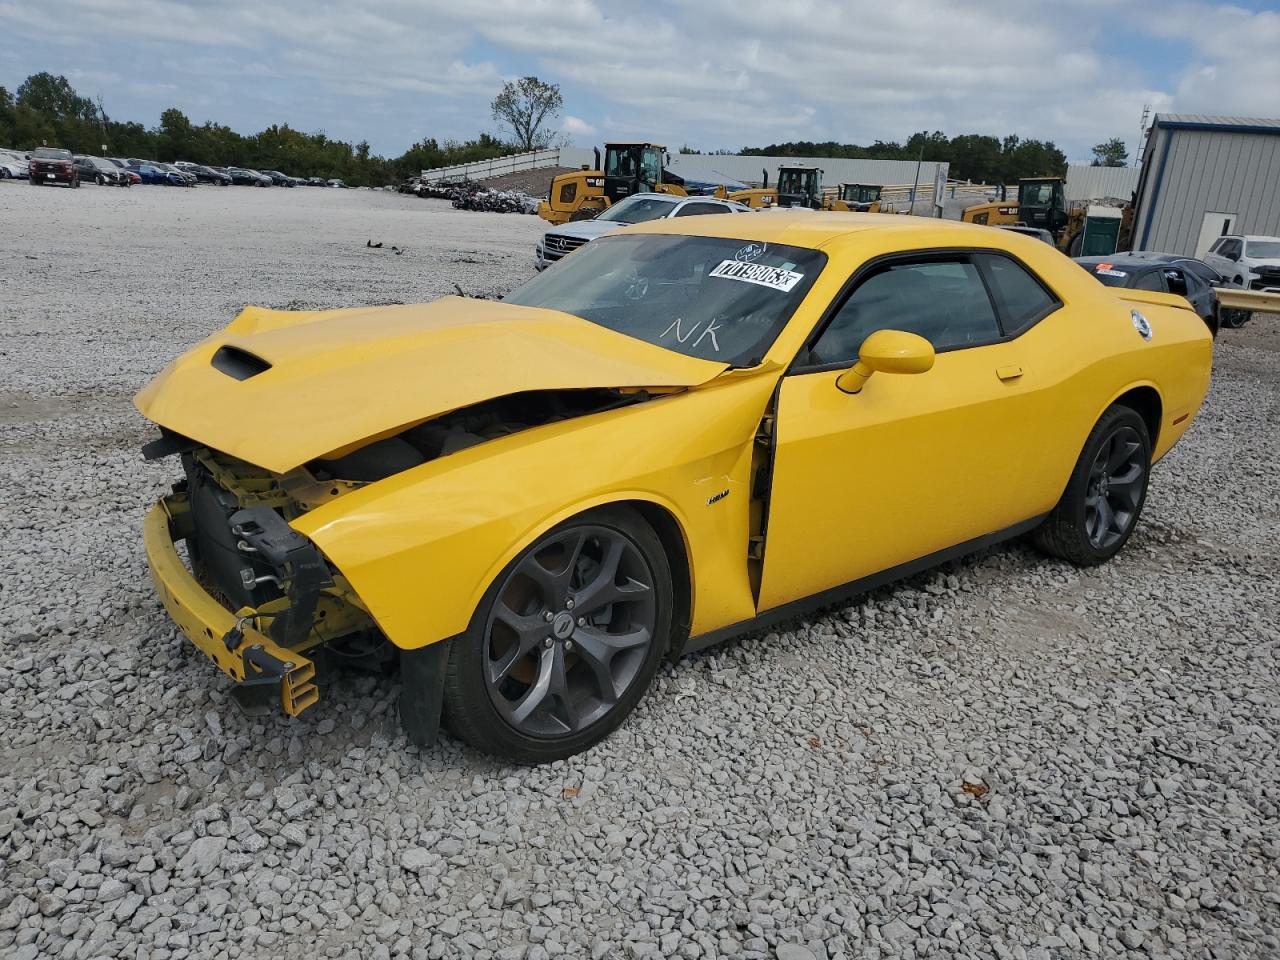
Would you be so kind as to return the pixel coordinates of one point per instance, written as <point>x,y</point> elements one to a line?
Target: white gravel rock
<point>1008,757</point>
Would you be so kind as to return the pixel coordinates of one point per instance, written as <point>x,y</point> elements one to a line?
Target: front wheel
<point>565,641</point>
<point>1106,492</point>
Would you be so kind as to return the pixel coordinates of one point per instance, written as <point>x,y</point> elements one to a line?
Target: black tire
<point>559,689</point>
<point>32,180</point>
<point>1077,244</point>
<point>4,174</point>
<point>100,180</point>
<point>75,184</point>
<point>1234,319</point>
<point>1102,503</point>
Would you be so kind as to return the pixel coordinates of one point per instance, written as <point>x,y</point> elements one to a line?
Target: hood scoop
<point>237,363</point>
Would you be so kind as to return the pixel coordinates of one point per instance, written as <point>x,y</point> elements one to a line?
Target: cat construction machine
<point>1042,203</point>
<point>628,168</point>
<point>798,185</point>
<point>856,197</point>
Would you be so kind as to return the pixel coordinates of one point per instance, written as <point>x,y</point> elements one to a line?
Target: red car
<point>52,165</point>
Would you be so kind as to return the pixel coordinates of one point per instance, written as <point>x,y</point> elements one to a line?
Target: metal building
<point>1206,176</point>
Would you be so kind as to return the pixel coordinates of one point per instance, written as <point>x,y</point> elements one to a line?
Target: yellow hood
<point>294,386</point>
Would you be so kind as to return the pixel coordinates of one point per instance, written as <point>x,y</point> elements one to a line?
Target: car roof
<point>814,230</point>
<point>1258,236</point>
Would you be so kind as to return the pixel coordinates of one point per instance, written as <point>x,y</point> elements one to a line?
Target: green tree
<point>176,138</point>
<point>1110,153</point>
<point>523,109</point>
<point>55,98</point>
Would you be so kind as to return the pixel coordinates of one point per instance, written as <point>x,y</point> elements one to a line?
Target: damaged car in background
<point>687,430</point>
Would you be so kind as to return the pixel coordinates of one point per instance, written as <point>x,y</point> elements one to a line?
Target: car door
<point>913,464</point>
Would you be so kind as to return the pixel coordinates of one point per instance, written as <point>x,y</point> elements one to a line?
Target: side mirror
<point>887,351</point>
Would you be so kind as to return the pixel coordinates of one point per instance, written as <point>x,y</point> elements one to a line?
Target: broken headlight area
<point>233,518</point>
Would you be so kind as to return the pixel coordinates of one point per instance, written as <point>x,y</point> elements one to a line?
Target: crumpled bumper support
<point>262,669</point>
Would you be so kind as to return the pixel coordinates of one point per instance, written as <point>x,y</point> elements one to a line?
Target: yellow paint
<point>981,439</point>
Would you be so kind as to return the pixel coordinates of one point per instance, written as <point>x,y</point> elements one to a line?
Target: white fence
<point>484,169</point>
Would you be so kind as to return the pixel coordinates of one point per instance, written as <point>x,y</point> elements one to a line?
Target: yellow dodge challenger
<point>681,432</point>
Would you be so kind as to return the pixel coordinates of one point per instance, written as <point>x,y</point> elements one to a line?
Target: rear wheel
<point>565,641</point>
<point>1106,492</point>
<point>1234,319</point>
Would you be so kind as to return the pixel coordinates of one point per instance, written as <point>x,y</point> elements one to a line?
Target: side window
<point>697,209</point>
<point>1179,282</point>
<point>1023,300</point>
<point>943,301</point>
<point>1152,280</point>
<point>1231,249</point>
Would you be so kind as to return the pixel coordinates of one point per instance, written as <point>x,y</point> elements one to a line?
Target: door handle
<point>1010,372</point>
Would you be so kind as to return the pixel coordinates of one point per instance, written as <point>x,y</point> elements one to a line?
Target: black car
<point>247,178</point>
<point>1163,273</point>
<point>101,171</point>
<point>203,174</point>
<point>278,178</point>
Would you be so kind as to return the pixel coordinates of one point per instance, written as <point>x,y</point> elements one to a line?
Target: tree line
<point>47,110</point>
<point>977,157</point>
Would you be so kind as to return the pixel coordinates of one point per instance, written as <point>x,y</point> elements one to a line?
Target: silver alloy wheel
<point>1114,493</point>
<point>569,631</point>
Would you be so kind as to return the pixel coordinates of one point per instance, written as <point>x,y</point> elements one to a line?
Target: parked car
<point>156,175</point>
<point>187,178</point>
<point>1163,273</point>
<point>243,176</point>
<point>317,182</point>
<point>335,182</point>
<point>1246,261</point>
<point>278,178</point>
<point>123,166</point>
<point>644,451</point>
<point>637,208</point>
<point>13,165</point>
<point>101,171</point>
<point>203,174</point>
<point>52,165</point>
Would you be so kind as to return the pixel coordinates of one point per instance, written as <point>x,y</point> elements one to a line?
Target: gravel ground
<point>1007,757</point>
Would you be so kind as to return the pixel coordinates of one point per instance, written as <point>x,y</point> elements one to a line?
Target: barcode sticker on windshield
<point>775,278</point>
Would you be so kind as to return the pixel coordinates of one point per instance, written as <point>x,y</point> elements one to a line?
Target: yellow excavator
<point>628,168</point>
<point>1042,203</point>
<point>856,197</point>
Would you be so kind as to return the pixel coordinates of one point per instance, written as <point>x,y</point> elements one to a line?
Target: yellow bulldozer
<point>1042,204</point>
<point>628,168</point>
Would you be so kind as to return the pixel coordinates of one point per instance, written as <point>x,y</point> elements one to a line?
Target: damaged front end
<point>257,596</point>
<point>254,595</point>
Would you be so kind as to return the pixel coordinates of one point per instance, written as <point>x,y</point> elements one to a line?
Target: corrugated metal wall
<point>1200,171</point>
<point>1086,183</point>
<point>697,166</point>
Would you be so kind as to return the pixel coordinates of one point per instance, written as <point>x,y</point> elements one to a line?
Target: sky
<point>710,74</point>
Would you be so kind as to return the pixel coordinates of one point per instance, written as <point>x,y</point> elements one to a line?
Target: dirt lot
<point>1008,757</point>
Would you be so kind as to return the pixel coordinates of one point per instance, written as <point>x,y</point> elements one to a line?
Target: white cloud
<point>577,127</point>
<point>712,74</point>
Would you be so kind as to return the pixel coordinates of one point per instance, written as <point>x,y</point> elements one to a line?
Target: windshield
<point>798,181</point>
<point>620,162</point>
<point>707,297</point>
<point>638,210</point>
<point>52,153</point>
<point>860,193</point>
<point>1262,249</point>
